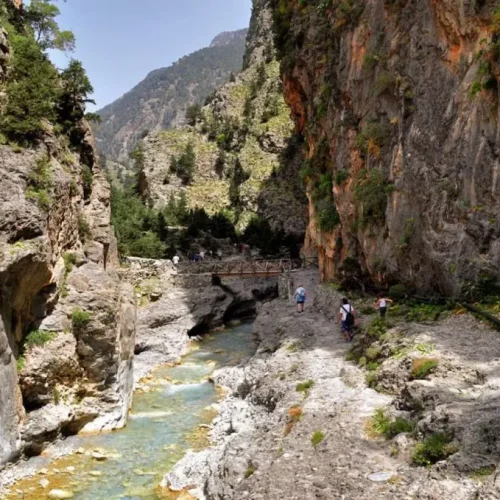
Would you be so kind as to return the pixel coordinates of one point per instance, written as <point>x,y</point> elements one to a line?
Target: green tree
<point>73,100</point>
<point>41,15</point>
<point>32,92</point>
<point>193,114</point>
<point>184,166</point>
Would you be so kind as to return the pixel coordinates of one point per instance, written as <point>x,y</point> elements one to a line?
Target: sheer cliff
<point>238,154</point>
<point>67,322</point>
<point>398,104</point>
<point>161,99</point>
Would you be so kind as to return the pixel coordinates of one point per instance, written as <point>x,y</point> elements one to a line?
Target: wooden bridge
<point>245,268</point>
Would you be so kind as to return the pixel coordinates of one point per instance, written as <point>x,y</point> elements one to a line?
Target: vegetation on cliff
<point>39,99</point>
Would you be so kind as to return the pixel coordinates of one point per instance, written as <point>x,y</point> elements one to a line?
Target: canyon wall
<point>398,103</point>
<point>67,322</point>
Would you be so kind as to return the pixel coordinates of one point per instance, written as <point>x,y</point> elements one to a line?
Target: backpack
<point>302,292</point>
<point>350,320</point>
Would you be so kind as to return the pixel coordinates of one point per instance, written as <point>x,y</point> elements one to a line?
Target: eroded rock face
<point>247,158</point>
<point>57,260</point>
<point>398,102</point>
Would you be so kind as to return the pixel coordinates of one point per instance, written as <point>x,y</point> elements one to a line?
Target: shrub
<point>371,379</point>
<point>372,366</point>
<point>341,176</point>
<point>422,367</point>
<point>39,338</point>
<point>184,166</point>
<point>436,447</point>
<point>40,183</point>
<point>385,82</point>
<point>250,471</point>
<point>294,415</point>
<point>87,178</point>
<point>193,114</point>
<point>304,386</point>
<point>80,319</point>
<point>20,362</point>
<point>327,215</point>
<point>373,352</point>
<point>83,228</point>
<point>376,328</point>
<point>425,312</point>
<point>398,292</point>
<point>317,438</point>
<point>69,261</point>
<point>388,428</point>
<point>371,192</point>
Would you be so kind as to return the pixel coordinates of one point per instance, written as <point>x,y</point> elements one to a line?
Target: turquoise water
<point>164,424</point>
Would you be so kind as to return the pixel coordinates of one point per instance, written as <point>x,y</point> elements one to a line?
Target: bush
<point>83,228</point>
<point>398,292</point>
<point>422,367</point>
<point>184,166</point>
<point>87,179</point>
<point>40,183</point>
<point>193,114</point>
<point>373,352</point>
<point>388,428</point>
<point>317,438</point>
<point>376,328</point>
<point>69,261</point>
<point>436,447</point>
<point>80,319</point>
<point>20,363</point>
<point>250,471</point>
<point>304,386</point>
<point>39,338</point>
<point>371,192</point>
<point>425,312</point>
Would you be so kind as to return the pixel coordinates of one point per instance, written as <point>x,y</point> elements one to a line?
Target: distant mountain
<point>160,100</point>
<point>228,37</point>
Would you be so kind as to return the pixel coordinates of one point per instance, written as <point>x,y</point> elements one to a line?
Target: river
<point>168,417</point>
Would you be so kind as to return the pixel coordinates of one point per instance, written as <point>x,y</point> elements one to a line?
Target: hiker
<point>347,315</point>
<point>381,304</point>
<point>176,260</point>
<point>300,297</point>
<point>219,254</point>
<point>202,255</point>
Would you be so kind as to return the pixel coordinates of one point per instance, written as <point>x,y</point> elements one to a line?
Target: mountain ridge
<point>160,100</point>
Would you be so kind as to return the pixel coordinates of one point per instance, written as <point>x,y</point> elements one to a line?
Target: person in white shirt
<point>176,260</point>
<point>381,304</point>
<point>347,315</point>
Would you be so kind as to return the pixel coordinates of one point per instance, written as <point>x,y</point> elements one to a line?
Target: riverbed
<point>171,413</point>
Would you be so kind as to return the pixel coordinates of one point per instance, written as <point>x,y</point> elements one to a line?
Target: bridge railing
<point>245,267</point>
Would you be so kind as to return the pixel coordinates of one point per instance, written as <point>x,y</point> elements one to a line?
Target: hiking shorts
<point>345,326</point>
<point>383,311</point>
<point>300,301</point>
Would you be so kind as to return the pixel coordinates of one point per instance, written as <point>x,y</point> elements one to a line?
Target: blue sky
<point>121,41</point>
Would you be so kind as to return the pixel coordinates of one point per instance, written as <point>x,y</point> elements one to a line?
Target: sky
<point>121,41</point>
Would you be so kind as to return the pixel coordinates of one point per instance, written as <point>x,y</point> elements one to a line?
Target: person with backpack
<point>347,315</point>
<point>381,305</point>
<point>300,297</point>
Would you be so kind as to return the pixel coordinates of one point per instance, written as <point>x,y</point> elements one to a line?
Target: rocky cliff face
<point>160,100</point>
<point>245,157</point>
<point>398,103</point>
<point>67,322</point>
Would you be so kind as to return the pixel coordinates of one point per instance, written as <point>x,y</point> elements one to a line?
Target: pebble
<point>70,469</point>
<point>80,451</point>
<point>42,472</point>
<point>44,483</point>
<point>95,473</point>
<point>60,494</point>
<point>99,456</point>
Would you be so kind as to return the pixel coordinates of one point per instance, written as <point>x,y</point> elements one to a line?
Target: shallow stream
<point>167,418</point>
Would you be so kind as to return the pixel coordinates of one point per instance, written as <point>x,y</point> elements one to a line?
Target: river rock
<point>100,457</point>
<point>60,494</point>
<point>44,483</point>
